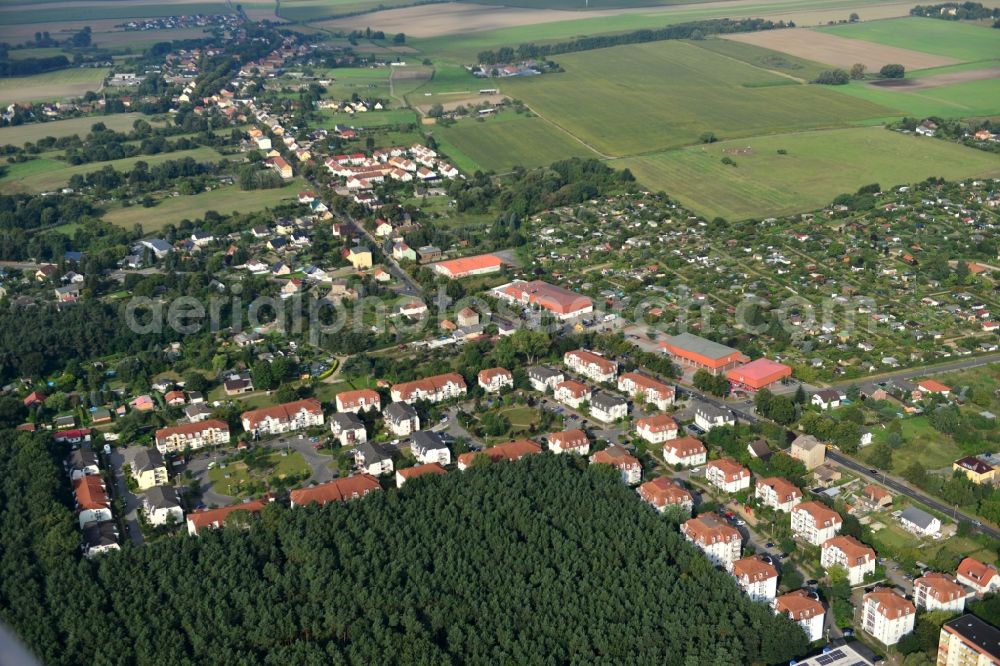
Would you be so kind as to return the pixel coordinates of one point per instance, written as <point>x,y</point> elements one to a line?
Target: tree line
<point>954,11</point>
<point>401,576</point>
<point>690,30</point>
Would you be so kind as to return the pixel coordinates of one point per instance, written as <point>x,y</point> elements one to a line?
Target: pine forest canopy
<point>544,560</point>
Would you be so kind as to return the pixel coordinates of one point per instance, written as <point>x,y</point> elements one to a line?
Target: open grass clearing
<point>955,39</point>
<point>22,134</point>
<point>921,443</point>
<point>608,99</point>
<point>838,50</point>
<point>51,86</point>
<point>222,200</point>
<point>764,183</point>
<point>44,175</point>
<point>979,98</point>
<point>237,478</point>
<point>505,141</point>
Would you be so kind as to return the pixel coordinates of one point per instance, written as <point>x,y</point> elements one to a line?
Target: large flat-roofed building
<point>692,351</point>
<point>760,374</point>
<point>469,266</point>
<point>968,641</point>
<point>562,303</point>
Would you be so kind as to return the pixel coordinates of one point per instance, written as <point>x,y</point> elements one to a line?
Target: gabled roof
<point>754,568</point>
<point>337,490</point>
<point>976,571</point>
<point>663,490</point>
<point>822,515</point>
<point>616,456</point>
<point>420,470</point>
<point>890,604</point>
<point>90,494</point>
<point>283,412</point>
<point>509,451</point>
<point>856,552</point>
<point>799,605</point>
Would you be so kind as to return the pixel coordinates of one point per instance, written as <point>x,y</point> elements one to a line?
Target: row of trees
<point>396,577</point>
<point>690,30</point>
<point>840,77</point>
<point>954,11</point>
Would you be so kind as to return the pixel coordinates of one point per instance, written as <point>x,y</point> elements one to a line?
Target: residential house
<point>428,446</point>
<point>727,475</point>
<point>401,419</point>
<point>826,399</point>
<point>92,503</point>
<point>815,523</point>
<point>663,492</point>
<point>627,465</point>
<point>142,403</point>
<point>100,537</point>
<point>757,577</point>
<point>857,559</point>
<point>338,490</point>
<point>544,378</point>
<point>803,608</point>
<point>686,451</point>
<point>656,429</point>
<point>976,470</point>
<point>982,578</point>
<point>195,435</point>
<point>431,389</point>
<point>826,475</point>
<point>148,468</point>
<point>160,505</point>
<point>887,616</point>
<point>608,407</point>
<point>876,497</point>
<point>720,542</point>
<point>591,365</point>
<point>404,475</point>
<point>360,257</point>
<point>934,387</point>
<point>652,391</point>
<point>494,380</point>
<point>467,317</point>
<point>572,393</point>
<point>569,441</point>
<point>358,401</point>
<point>348,429</point>
<point>809,450</point>
<point>373,458</point>
<point>81,462</point>
<point>777,493</point>
<point>286,417</point>
<point>175,398</point>
<point>939,592</point>
<point>708,416</point>
<point>919,522</point>
<point>510,451</point>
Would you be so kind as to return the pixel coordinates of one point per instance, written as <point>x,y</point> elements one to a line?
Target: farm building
<point>760,374</point>
<point>697,353</point>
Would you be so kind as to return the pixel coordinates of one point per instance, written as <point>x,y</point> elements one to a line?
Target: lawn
<point>960,100</point>
<point>984,379</point>
<point>21,134</point>
<point>44,174</point>
<point>954,39</point>
<point>764,183</point>
<point>50,86</point>
<point>644,98</point>
<point>223,200</point>
<point>241,477</point>
<point>505,141</point>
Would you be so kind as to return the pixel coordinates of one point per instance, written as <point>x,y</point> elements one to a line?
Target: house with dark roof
<point>372,458</point>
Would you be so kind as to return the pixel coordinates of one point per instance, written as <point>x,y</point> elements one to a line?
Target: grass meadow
<point>960,100</point>
<point>651,97</point>
<point>22,134</point>
<point>962,41</point>
<point>50,86</point>
<point>817,167</point>
<point>223,200</point>
<point>505,141</point>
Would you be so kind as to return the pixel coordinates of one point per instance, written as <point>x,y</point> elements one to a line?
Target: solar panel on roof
<point>823,660</point>
<point>837,654</point>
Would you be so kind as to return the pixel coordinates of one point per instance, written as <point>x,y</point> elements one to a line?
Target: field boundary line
<point>571,135</point>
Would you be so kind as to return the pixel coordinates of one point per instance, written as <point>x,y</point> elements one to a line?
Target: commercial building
<point>760,374</point>
<point>483,264</point>
<point>697,353</point>
<point>562,303</point>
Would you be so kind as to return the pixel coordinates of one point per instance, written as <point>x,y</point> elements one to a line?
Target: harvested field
<point>461,99</point>
<point>937,80</point>
<point>840,51</point>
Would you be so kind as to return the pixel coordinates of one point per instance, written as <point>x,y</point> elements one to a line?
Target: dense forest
<point>689,30</point>
<point>543,561</point>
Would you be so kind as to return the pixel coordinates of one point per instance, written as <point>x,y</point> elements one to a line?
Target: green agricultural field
<point>960,100</point>
<point>120,122</point>
<point>46,174</point>
<point>84,12</point>
<point>223,200</point>
<point>962,41</point>
<point>52,86</point>
<point>311,10</point>
<point>505,141</point>
<point>370,119</point>
<point>640,99</point>
<point>782,63</point>
<point>817,167</point>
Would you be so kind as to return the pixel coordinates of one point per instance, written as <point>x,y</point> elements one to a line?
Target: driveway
<point>318,462</point>
<point>119,458</point>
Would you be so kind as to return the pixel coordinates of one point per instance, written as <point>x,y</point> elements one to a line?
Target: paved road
<point>318,462</point>
<point>922,371</point>
<point>408,287</point>
<point>131,518</point>
<point>903,488</point>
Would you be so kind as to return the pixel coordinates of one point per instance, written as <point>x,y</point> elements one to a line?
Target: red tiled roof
<point>821,514</point>
<point>890,604</point>
<point>658,423</point>
<point>466,265</point>
<point>754,568</point>
<point>569,439</point>
<point>784,488</point>
<point>428,384</point>
<point>190,429</point>
<point>547,296</point>
<point>730,468</point>
<point>940,586</point>
<point>510,451</point>
<point>799,605</point>
<point>89,492</point>
<point>645,383</point>
<point>590,358</point>
<point>855,551</point>
<point>575,388</point>
<point>338,490</point>
<point>420,470</point>
<point>350,399</point>
<point>976,571</point>
<point>685,447</point>
<point>934,386</point>
<point>282,412</point>
<point>486,376</point>
<point>708,529</point>
<point>217,517</point>
<point>616,456</point>
<point>662,491</point>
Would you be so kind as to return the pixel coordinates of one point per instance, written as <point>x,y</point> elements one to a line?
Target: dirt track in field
<point>840,51</point>
<point>938,80</point>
